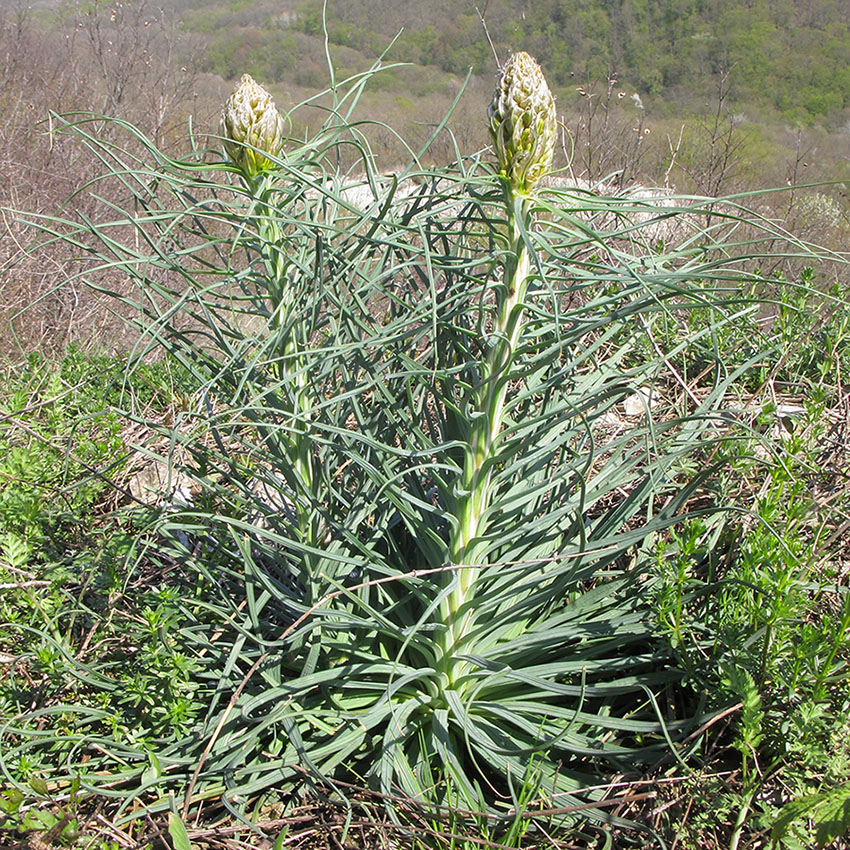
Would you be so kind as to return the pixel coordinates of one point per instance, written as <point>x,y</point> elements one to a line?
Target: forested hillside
<point>790,57</point>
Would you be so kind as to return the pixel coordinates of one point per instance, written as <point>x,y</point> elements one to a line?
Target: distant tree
<point>137,58</point>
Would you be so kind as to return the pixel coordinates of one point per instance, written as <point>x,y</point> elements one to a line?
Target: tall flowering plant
<point>419,520</point>
<point>252,130</point>
<point>522,126</point>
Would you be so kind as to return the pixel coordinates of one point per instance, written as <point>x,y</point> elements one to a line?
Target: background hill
<point>707,97</point>
<point>778,72</point>
<point>792,59</point>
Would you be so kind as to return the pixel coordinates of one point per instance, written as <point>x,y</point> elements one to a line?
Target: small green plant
<point>747,740</point>
<point>69,604</point>
<point>52,823</point>
<point>58,443</point>
<point>761,597</point>
<point>830,811</point>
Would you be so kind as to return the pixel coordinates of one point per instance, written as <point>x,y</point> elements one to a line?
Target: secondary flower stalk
<point>253,130</point>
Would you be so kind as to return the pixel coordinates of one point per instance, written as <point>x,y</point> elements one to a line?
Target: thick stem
<point>487,411</point>
<point>298,444</point>
<point>301,445</point>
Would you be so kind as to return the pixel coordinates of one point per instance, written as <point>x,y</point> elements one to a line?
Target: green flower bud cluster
<point>523,122</point>
<point>250,117</point>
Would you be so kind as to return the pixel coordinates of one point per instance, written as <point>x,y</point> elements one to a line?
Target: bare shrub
<point>609,134</point>
<point>119,58</point>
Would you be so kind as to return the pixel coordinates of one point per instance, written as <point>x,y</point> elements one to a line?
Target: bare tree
<point>714,155</point>
<point>139,64</point>
<point>609,133</point>
<point>128,65</point>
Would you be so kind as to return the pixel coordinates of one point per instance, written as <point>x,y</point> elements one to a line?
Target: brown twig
<point>487,33</point>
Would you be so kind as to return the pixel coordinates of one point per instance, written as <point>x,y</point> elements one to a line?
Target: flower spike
<point>523,123</point>
<point>250,117</point>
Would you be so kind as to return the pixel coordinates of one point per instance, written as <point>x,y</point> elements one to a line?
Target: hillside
<point>380,470</point>
<point>768,79</point>
<point>792,59</point>
<point>670,50</point>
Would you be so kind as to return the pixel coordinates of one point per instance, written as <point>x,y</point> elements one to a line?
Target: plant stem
<point>738,829</point>
<point>291,368</point>
<point>486,414</point>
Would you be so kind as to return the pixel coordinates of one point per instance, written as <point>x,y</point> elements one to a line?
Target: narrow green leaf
<point>178,833</point>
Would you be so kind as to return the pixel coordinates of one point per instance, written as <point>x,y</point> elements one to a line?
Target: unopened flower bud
<point>523,122</point>
<point>250,117</point>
